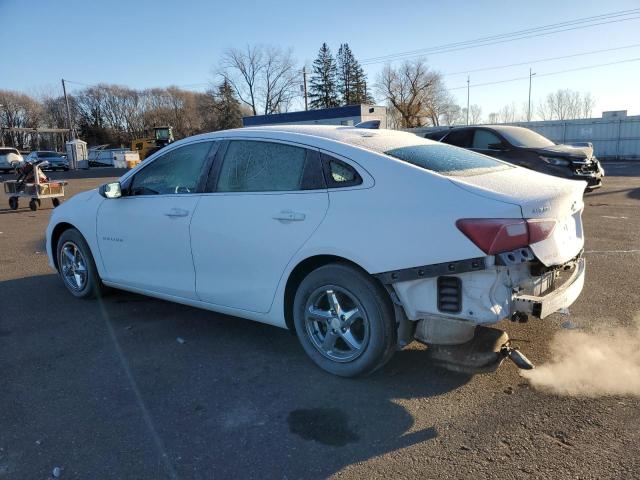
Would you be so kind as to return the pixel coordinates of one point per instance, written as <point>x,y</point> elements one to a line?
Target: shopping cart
<point>33,184</point>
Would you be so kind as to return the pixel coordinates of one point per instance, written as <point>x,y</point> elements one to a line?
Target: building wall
<point>347,115</point>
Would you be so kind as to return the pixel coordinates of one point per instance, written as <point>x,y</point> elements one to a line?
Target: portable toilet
<point>77,154</point>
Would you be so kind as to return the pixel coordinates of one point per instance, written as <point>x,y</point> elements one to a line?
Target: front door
<point>267,199</point>
<point>144,235</point>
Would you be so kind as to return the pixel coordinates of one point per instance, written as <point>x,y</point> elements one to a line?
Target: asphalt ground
<point>104,389</point>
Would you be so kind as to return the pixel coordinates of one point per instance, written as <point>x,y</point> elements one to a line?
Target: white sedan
<point>359,240</point>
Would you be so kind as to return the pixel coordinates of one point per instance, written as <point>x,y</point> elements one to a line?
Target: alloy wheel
<point>336,323</point>
<point>73,266</point>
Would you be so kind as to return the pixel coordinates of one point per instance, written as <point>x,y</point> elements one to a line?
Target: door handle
<point>177,212</point>
<point>289,216</point>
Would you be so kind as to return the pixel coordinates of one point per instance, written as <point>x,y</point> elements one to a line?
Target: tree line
<point>115,114</point>
<point>262,80</point>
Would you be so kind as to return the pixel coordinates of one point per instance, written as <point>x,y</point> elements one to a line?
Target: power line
<point>629,60</point>
<point>510,37</point>
<point>519,64</point>
<point>511,34</point>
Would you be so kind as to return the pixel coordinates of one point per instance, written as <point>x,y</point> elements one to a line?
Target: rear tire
<point>55,201</point>
<point>33,205</point>
<point>344,320</point>
<point>76,266</point>
<point>13,203</point>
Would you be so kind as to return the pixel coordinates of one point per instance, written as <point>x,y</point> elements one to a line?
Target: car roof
<point>339,133</point>
<point>497,128</point>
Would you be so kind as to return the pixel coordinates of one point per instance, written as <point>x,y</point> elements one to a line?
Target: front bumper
<point>559,298</point>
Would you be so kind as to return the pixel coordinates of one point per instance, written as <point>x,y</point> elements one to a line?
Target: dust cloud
<point>596,363</point>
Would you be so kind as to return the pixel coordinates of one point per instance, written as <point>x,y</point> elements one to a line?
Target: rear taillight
<point>496,235</point>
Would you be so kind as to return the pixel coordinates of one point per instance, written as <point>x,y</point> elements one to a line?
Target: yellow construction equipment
<point>162,136</point>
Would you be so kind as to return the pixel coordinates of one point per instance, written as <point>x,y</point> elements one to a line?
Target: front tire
<point>76,266</point>
<point>344,320</point>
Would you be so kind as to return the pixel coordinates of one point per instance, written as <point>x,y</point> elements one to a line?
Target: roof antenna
<point>370,124</point>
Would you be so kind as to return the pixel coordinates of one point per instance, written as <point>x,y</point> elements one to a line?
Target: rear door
<point>267,198</point>
<point>144,236</point>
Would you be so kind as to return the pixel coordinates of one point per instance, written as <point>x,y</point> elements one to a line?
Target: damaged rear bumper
<point>559,298</point>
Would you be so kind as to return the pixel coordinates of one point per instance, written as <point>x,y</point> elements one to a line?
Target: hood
<point>567,151</point>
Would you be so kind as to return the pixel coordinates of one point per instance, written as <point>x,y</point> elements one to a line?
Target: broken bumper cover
<point>559,298</point>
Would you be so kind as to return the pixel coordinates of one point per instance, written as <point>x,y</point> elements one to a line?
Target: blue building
<point>347,115</point>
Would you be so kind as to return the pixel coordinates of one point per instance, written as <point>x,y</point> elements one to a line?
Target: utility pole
<point>304,82</point>
<point>66,102</point>
<point>468,81</point>
<point>1,131</point>
<point>531,74</point>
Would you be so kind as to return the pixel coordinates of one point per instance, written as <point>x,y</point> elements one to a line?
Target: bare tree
<point>416,93</point>
<point>588,102</point>
<point>475,114</point>
<point>566,104</point>
<point>263,77</point>
<point>19,111</point>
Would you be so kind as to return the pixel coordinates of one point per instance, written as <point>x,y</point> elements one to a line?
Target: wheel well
<point>55,236</point>
<point>298,274</point>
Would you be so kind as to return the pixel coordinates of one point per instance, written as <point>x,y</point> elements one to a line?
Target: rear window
<point>447,160</point>
<point>6,151</point>
<point>48,155</point>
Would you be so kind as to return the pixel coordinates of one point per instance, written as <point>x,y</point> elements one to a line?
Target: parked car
<point>55,160</point>
<point>528,149</point>
<point>8,158</point>
<point>359,240</point>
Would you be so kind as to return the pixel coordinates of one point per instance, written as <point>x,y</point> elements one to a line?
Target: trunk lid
<point>538,196</point>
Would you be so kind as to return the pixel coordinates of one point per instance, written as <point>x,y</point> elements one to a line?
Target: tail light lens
<point>496,235</point>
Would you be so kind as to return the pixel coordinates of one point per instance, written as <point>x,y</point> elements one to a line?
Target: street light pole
<point>1,131</point>
<point>468,80</point>
<point>66,101</point>
<point>304,81</point>
<point>531,74</point>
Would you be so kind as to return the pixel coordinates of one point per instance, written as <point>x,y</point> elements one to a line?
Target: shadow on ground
<point>142,388</point>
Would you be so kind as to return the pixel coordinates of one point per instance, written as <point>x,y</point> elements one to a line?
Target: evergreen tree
<point>227,107</point>
<point>361,92</point>
<point>323,88</point>
<point>352,81</point>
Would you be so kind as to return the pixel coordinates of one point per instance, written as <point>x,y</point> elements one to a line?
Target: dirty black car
<point>528,149</point>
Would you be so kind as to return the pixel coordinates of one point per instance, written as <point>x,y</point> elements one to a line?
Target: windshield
<point>523,137</point>
<point>6,151</point>
<point>48,155</point>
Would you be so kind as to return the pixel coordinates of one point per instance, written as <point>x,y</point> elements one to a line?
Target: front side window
<point>257,166</point>
<point>177,171</point>
<point>485,140</point>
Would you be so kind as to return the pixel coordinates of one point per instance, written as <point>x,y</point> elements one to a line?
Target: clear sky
<point>160,43</point>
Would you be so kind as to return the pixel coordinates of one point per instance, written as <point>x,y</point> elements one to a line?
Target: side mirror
<point>110,190</point>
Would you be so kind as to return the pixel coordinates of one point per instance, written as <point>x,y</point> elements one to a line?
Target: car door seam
<point>193,261</point>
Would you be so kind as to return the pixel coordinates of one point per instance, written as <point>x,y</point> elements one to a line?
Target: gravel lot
<point>105,390</point>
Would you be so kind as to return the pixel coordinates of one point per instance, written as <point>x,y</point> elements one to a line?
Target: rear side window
<point>447,160</point>
<point>338,173</point>
<point>256,166</point>
<point>459,138</point>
